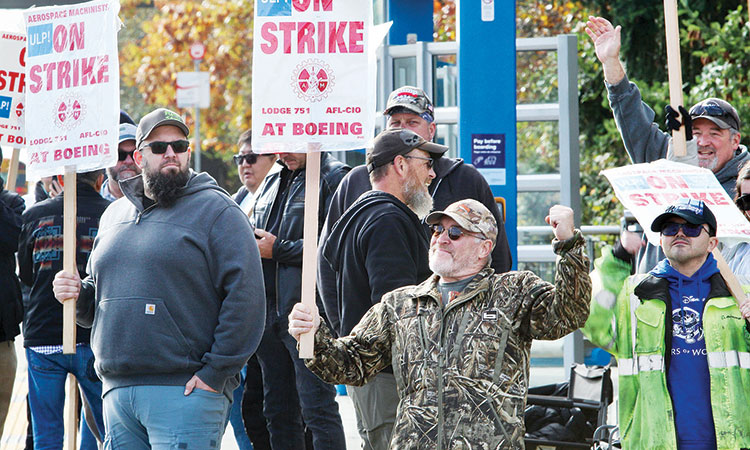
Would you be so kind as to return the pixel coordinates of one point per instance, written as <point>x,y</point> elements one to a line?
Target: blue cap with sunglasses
<point>694,212</point>
<point>155,119</point>
<point>717,111</point>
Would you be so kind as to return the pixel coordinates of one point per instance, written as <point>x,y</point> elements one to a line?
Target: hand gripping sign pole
<point>674,66</point>
<point>310,239</point>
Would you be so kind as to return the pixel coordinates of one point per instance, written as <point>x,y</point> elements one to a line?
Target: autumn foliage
<point>151,62</point>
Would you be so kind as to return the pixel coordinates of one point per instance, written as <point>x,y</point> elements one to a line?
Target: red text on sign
<point>310,37</point>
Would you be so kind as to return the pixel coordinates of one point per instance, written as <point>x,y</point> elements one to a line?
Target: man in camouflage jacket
<point>459,342</point>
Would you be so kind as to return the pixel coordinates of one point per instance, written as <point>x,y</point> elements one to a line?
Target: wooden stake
<point>13,170</point>
<point>674,66</point>
<point>732,283</point>
<point>72,416</point>
<point>69,257</point>
<point>310,241</point>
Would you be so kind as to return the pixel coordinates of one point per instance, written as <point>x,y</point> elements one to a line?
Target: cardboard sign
<point>12,83</point>
<point>314,72</point>
<point>72,87</point>
<point>647,189</point>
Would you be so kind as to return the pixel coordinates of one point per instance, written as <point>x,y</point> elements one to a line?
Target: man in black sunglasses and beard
<point>174,297</point>
<point>681,342</point>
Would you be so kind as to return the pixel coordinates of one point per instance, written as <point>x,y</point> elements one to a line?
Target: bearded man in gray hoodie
<point>175,298</point>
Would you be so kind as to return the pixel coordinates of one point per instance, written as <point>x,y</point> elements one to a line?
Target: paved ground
<point>14,434</point>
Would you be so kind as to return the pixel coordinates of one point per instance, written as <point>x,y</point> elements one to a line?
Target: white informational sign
<point>488,10</point>
<point>314,73</point>
<point>72,87</point>
<point>193,89</point>
<point>12,82</point>
<point>647,189</point>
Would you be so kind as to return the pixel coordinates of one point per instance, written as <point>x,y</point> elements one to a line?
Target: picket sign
<point>674,66</point>
<point>72,104</point>
<point>313,91</point>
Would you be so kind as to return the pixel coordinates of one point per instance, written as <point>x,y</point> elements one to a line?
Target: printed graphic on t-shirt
<point>686,321</point>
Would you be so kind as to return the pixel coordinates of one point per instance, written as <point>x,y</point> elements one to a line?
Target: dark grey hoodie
<point>173,292</point>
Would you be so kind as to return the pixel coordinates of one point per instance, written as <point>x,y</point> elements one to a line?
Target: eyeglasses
<point>250,158</point>
<point>454,232</point>
<point>690,230</point>
<point>743,202</point>
<point>430,161</point>
<point>159,148</point>
<point>122,156</point>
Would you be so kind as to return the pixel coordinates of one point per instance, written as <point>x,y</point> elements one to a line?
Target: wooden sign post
<point>13,170</point>
<point>310,241</point>
<point>732,283</point>
<point>69,307</point>
<point>674,66</point>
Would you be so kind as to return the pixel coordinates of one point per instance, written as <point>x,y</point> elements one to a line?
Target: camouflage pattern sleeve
<point>356,358</point>
<point>554,311</point>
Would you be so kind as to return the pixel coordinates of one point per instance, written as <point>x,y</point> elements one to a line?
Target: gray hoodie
<point>173,292</point>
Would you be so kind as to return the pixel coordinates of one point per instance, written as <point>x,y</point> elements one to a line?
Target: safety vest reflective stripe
<point>645,363</point>
<point>721,360</point>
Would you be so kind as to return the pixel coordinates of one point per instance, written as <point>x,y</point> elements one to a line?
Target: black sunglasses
<point>159,148</point>
<point>430,161</point>
<point>122,156</point>
<point>250,158</point>
<point>690,230</point>
<point>454,232</point>
<point>743,202</point>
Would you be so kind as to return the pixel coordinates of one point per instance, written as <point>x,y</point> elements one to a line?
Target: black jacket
<point>287,250</point>
<point>454,181</point>
<point>11,307</point>
<point>40,252</point>
<point>378,245</point>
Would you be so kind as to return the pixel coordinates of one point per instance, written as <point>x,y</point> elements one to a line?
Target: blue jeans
<point>47,375</point>
<point>288,385</point>
<point>162,418</point>
<point>235,415</point>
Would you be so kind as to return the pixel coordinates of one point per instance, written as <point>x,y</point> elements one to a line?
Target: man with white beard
<point>378,245</point>
<point>460,341</point>
<point>125,167</point>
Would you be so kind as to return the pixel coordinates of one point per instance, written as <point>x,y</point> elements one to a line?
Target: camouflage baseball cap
<point>411,98</point>
<point>470,215</point>
<point>155,119</point>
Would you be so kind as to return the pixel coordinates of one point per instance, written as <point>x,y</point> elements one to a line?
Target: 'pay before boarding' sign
<point>72,87</point>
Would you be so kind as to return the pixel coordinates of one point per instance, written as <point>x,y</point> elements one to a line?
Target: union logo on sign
<point>312,80</point>
<point>19,109</point>
<point>70,109</point>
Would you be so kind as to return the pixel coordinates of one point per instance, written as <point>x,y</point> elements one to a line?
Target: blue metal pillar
<point>410,16</point>
<point>486,35</point>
